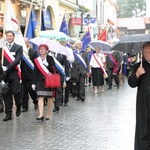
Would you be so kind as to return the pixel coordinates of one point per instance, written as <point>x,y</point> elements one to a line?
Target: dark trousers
<point>73,89</point>
<point>67,91</point>
<point>111,76</point>
<point>59,96</point>
<point>1,104</point>
<point>26,90</point>
<point>81,87</point>
<point>14,90</point>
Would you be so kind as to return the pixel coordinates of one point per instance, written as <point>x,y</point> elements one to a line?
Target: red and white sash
<point>101,67</point>
<point>41,67</point>
<point>11,58</point>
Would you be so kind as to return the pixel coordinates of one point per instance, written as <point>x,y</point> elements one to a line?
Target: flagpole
<point>2,59</point>
<point>40,19</point>
<point>62,21</point>
<point>5,14</point>
<point>80,38</point>
<point>28,18</point>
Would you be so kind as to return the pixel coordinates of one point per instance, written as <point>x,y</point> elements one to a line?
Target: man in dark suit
<point>12,70</point>
<point>83,69</point>
<point>59,91</point>
<point>65,62</point>
<point>27,77</point>
<point>69,59</point>
<point>110,68</point>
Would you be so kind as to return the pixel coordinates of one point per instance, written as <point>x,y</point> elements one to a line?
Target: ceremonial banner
<point>103,36</point>
<point>86,39</point>
<point>64,27</point>
<point>32,26</point>
<point>11,23</point>
<point>43,28</point>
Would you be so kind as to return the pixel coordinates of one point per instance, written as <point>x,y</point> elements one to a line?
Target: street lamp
<point>88,18</point>
<point>81,32</point>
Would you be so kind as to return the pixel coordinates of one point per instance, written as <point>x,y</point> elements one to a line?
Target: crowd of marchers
<point>80,67</point>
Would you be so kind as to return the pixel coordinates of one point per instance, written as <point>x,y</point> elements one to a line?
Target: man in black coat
<point>27,78</point>
<point>59,99</point>
<point>110,69</point>
<point>13,77</point>
<point>83,71</point>
<point>65,61</point>
<point>140,78</point>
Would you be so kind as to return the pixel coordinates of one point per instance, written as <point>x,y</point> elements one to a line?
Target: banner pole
<point>28,18</point>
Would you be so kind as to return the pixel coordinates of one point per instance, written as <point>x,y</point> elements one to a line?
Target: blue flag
<point>64,27</point>
<point>42,22</point>
<point>86,39</point>
<point>31,31</point>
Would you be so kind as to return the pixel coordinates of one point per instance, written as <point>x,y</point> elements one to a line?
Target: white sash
<point>101,67</point>
<point>11,58</point>
<point>41,67</point>
<point>58,65</point>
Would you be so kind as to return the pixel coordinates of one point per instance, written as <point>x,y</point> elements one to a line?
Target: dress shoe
<point>56,109</point>
<point>40,119</point>
<point>7,117</point>
<point>117,86</point>
<point>83,100</point>
<point>46,118</point>
<point>78,99</point>
<point>109,88</point>
<point>66,104</point>
<point>18,112</point>
<point>24,109</point>
<point>35,106</point>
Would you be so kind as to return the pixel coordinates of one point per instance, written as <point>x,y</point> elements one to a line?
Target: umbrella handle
<point>141,60</point>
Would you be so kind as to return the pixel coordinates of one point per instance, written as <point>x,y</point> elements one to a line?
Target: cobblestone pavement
<point>105,121</point>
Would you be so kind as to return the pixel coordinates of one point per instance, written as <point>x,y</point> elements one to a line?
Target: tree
<point>131,8</point>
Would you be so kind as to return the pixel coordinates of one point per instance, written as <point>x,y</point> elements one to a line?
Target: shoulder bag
<point>52,80</point>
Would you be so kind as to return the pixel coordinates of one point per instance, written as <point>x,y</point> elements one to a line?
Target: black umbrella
<point>131,43</point>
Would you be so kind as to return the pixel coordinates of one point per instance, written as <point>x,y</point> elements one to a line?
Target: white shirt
<point>70,57</point>
<point>101,59</point>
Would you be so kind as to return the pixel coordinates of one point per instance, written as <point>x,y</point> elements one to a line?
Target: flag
<point>64,27</point>
<point>90,52</point>
<point>42,21</point>
<point>32,26</point>
<point>102,36</point>
<point>86,39</point>
<point>11,23</point>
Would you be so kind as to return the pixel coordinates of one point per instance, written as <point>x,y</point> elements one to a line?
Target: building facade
<point>54,11</point>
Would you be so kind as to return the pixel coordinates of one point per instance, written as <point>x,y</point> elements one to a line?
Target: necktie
<point>9,46</point>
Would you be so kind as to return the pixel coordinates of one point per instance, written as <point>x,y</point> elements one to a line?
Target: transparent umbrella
<point>53,34</point>
<point>53,45</point>
<point>104,46</point>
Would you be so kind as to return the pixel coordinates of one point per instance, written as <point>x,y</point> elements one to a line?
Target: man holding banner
<point>11,66</point>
